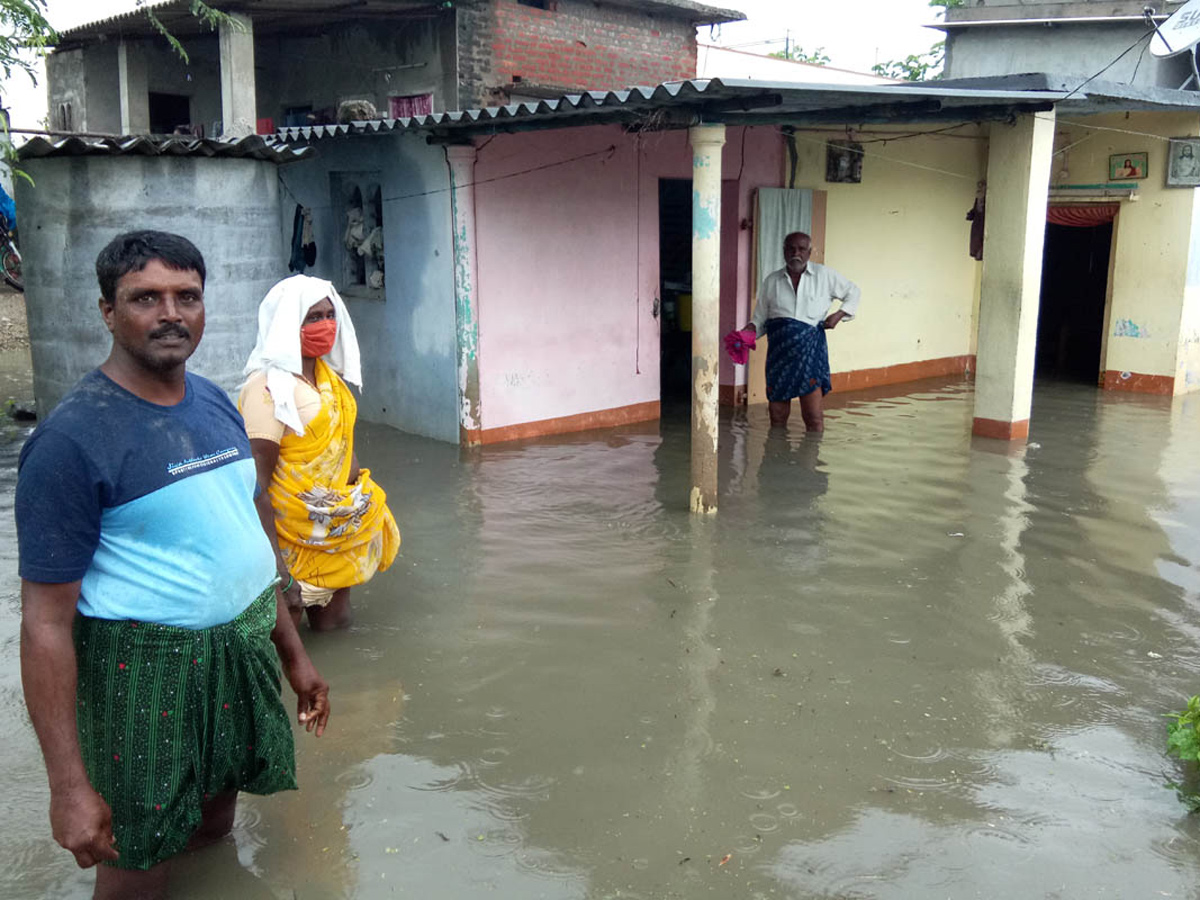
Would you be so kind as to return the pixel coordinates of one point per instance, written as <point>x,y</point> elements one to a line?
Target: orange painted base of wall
<point>604,418</point>
<point>1002,431</point>
<point>1138,383</point>
<point>898,374</point>
<point>732,395</point>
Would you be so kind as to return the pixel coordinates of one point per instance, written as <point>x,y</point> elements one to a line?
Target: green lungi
<point>169,717</point>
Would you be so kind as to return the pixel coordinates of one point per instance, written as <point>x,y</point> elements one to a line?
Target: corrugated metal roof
<point>713,100</point>
<point>281,12</point>
<point>252,147</point>
<point>133,15</point>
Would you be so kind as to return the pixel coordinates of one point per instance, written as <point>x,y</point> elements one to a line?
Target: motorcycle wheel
<point>10,265</point>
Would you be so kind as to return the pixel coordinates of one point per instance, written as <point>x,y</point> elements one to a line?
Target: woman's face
<point>319,312</point>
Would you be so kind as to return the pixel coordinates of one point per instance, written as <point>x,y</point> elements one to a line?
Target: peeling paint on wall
<point>1131,329</point>
<point>704,217</point>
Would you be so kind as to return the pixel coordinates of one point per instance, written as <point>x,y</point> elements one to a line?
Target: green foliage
<point>916,66</point>
<point>818,57</point>
<point>211,17</point>
<point>948,4</point>
<point>1183,742</point>
<point>23,27</point>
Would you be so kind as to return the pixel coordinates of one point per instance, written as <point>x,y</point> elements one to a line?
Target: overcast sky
<point>855,34</point>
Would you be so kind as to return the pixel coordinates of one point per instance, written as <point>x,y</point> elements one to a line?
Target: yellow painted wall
<point>1153,234</point>
<point>902,236</point>
<point>1187,362</point>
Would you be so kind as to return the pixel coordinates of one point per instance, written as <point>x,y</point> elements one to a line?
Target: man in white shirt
<point>794,309</point>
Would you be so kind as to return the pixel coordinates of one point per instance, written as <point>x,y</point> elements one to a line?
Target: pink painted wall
<point>567,243</point>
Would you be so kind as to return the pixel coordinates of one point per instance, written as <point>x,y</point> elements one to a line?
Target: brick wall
<point>578,44</point>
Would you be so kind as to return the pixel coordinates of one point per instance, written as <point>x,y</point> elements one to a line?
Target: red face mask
<point>316,338</point>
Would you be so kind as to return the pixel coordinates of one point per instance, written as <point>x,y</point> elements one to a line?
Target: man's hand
<point>291,597</point>
<point>82,823</point>
<point>832,320</point>
<point>312,693</point>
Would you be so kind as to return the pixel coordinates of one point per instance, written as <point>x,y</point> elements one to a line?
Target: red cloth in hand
<point>738,345</point>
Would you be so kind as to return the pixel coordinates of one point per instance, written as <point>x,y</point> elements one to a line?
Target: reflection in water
<point>899,663</point>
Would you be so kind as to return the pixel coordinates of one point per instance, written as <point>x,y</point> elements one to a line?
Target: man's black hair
<point>131,251</point>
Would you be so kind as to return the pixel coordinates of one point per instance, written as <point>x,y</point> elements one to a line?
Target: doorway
<point>1075,270</point>
<point>168,112</point>
<point>675,289</point>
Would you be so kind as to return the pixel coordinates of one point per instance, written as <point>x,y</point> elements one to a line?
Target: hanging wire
<point>892,159</point>
<point>1146,134</point>
<point>1118,58</point>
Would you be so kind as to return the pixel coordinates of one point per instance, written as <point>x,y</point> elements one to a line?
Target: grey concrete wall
<point>408,336</point>
<point>1079,49</point>
<point>357,62</point>
<point>66,83</point>
<point>199,78</point>
<point>228,207</point>
<point>103,89</point>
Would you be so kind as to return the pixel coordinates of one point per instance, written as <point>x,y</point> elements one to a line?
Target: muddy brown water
<point>900,663</point>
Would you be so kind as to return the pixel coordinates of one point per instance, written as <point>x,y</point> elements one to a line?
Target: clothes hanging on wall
<point>304,247</point>
<point>975,217</point>
<point>307,242</point>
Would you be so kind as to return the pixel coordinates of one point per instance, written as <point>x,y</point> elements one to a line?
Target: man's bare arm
<point>80,819</point>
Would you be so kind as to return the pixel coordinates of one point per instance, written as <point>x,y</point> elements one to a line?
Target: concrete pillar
<point>239,105</point>
<point>706,141</point>
<point>133,89</point>
<point>461,160</point>
<point>1019,158</point>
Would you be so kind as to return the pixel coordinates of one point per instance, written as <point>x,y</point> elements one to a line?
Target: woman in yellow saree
<point>326,517</point>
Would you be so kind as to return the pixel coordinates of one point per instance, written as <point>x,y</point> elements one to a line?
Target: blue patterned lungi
<point>797,360</point>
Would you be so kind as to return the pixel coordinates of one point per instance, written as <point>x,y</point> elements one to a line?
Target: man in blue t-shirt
<point>152,627</point>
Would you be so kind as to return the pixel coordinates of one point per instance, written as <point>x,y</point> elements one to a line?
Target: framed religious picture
<point>843,162</point>
<point>1183,162</point>
<point>1123,166</point>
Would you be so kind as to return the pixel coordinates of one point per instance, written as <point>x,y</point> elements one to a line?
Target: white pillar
<point>239,105</point>
<point>133,89</point>
<point>706,141</point>
<point>1019,159</point>
<point>461,160</point>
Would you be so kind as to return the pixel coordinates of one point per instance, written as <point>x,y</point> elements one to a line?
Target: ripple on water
<point>946,785</point>
<point>754,787</point>
<point>1008,833</point>
<point>496,843</point>
<point>1049,675</point>
<point>355,778</point>
<point>764,823</point>
<point>934,754</point>
<point>461,780</point>
<point>535,787</point>
<point>493,756</point>
<point>1178,850</point>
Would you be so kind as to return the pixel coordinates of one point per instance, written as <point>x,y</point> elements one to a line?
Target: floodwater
<point>899,663</point>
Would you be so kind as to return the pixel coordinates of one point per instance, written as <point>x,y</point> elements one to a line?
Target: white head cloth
<point>277,351</point>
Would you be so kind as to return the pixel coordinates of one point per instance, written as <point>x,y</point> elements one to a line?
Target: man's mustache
<point>170,331</point>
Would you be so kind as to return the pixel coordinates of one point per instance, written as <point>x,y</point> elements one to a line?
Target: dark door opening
<point>168,112</point>
<point>675,287</point>
<point>1074,291</point>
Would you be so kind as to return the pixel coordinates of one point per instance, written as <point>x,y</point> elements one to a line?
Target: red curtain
<point>406,107</point>
<point>1081,216</point>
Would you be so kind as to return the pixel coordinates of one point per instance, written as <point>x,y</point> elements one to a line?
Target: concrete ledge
<point>859,379</point>
<point>604,418</point>
<point>1138,383</point>
<point>1001,431</point>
